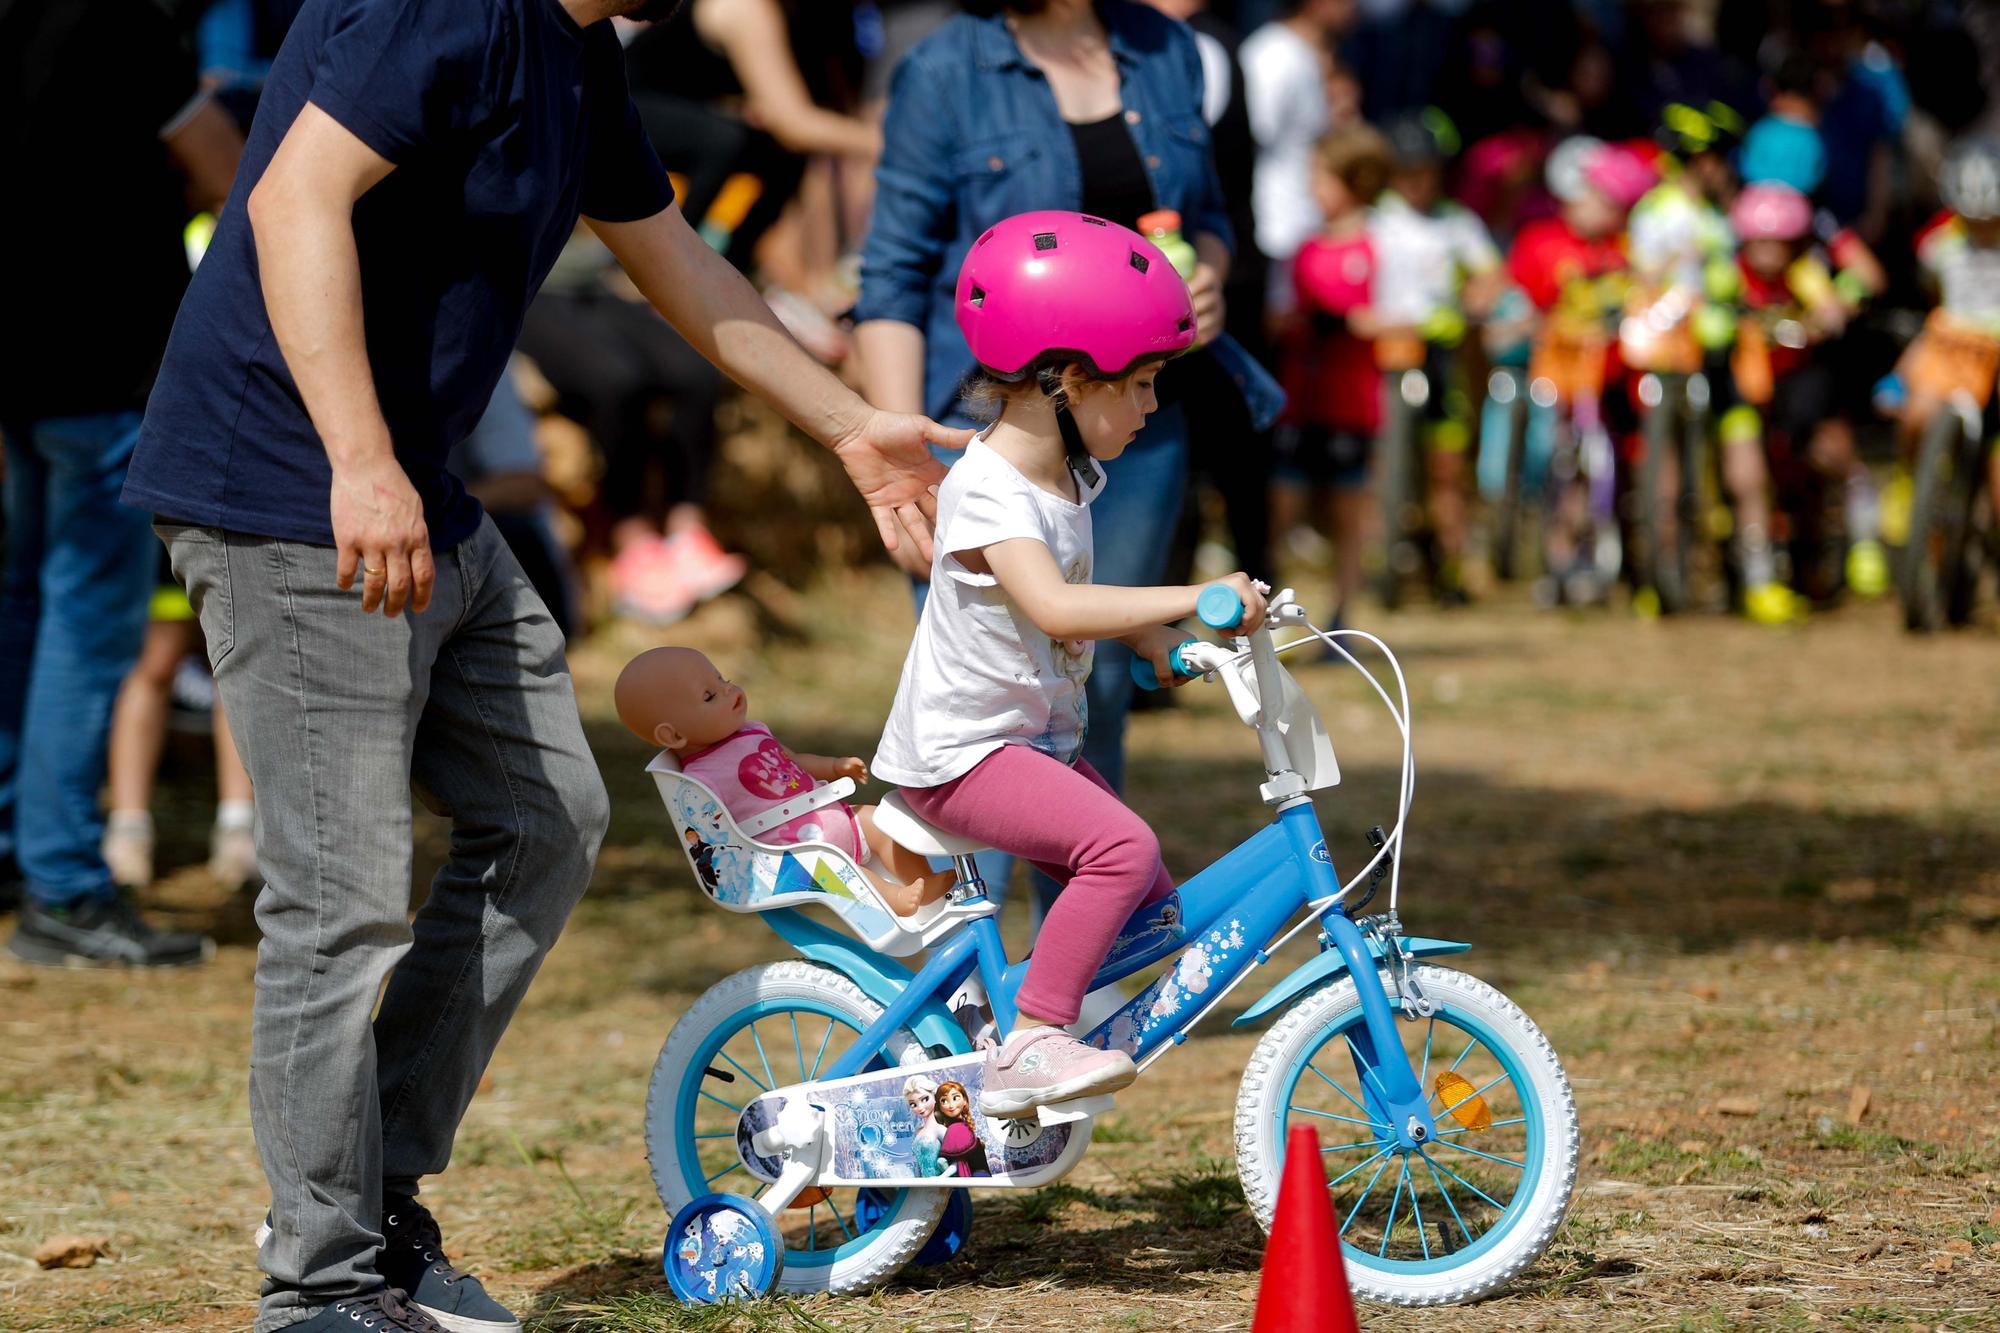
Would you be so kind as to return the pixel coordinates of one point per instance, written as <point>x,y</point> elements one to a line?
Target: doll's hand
<point>851,767</point>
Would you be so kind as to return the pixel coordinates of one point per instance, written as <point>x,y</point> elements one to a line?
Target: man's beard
<point>654,11</point>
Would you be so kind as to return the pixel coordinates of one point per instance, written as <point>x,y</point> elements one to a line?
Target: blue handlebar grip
<point>1146,678</point>
<point>1219,607</point>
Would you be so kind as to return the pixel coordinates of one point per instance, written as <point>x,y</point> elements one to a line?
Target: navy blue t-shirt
<point>505,121</point>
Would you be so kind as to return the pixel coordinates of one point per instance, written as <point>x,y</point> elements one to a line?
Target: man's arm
<point>725,320</point>
<point>205,145</point>
<point>302,218</point>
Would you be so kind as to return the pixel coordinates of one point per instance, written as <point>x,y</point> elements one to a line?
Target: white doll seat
<point>741,874</point>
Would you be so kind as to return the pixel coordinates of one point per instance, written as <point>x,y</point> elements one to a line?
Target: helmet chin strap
<point>1080,462</point>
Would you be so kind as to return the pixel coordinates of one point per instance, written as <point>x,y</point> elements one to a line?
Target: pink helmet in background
<point>1619,174</point>
<point>1040,290</point>
<point>1768,211</point>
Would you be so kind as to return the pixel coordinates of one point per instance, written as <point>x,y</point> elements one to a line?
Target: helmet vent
<point>1045,240</point>
<point>1095,222</point>
<point>1140,261</point>
<point>1186,324</point>
<point>978,296</point>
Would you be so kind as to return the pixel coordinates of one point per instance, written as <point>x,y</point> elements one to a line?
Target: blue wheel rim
<point>793,1040</point>
<point>1473,1226</point>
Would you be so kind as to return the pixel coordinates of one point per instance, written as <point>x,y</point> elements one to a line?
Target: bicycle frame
<point>1220,925</point>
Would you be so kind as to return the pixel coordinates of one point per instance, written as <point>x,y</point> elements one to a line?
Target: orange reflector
<point>1467,1108</point>
<point>813,1194</point>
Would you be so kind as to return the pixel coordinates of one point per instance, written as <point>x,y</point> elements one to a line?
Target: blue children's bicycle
<point>842,1089</point>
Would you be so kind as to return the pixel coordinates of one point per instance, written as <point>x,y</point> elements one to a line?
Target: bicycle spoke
<point>1337,1088</point>
<point>1366,1070</point>
<point>723,1172</point>
<point>1446,1193</point>
<point>1365,1193</point>
<point>1345,1147</point>
<point>719,1134</point>
<point>719,1102</point>
<point>1430,1033</point>
<point>1462,1054</point>
<point>834,1208</point>
<point>1476,1092</point>
<point>760,1054</point>
<point>1463,1181</point>
<point>1331,1184</point>
<point>812,1226</point>
<point>1504,1161</point>
<point>1416,1209</point>
<point>761,1087</point>
<point>798,1047</point>
<point>1344,1119</point>
<point>821,1052</point>
<point>1395,1201</point>
<point>1497,1124</point>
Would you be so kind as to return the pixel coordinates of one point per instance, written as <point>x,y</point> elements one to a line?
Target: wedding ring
<point>373,569</point>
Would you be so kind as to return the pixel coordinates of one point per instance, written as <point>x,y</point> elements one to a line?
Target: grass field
<point>1746,881</point>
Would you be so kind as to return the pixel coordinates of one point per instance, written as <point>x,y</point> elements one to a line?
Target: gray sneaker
<point>101,932</point>
<point>382,1311</point>
<point>413,1261</point>
<point>413,1258</point>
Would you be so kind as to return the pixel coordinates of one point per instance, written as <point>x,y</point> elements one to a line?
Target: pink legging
<point>1073,827</point>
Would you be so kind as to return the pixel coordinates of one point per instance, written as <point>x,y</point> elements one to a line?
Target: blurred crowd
<point>1481,245</point>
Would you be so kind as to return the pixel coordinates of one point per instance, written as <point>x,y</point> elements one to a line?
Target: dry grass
<point>1734,874</point>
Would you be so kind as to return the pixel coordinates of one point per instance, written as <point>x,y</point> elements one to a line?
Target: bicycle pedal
<point>1081,1108</point>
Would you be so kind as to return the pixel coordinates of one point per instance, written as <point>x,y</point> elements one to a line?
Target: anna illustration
<point>921,1095</point>
<point>961,1147</point>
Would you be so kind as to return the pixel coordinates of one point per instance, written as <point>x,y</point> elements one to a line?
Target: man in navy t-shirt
<point>414,168</point>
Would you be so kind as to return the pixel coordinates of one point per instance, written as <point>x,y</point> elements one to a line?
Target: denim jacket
<point>973,136</point>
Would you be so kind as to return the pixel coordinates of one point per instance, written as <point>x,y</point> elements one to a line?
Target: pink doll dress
<point>749,772</point>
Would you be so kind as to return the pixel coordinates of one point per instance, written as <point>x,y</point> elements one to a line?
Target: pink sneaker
<point>1042,1066</point>
<point>701,566</point>
<point>647,586</point>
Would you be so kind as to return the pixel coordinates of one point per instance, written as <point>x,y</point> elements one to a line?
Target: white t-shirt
<point>979,674</point>
<point>1284,89</point>
<point>1422,259</point>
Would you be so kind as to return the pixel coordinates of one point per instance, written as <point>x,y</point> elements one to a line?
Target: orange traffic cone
<point>1304,1288</point>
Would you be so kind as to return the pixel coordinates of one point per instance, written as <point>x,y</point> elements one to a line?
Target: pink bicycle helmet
<point>1619,174</point>
<point>1040,290</point>
<point>1768,211</point>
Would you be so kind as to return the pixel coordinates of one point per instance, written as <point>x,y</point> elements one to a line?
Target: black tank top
<point>1115,185</point>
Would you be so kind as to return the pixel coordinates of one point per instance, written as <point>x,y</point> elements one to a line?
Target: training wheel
<point>722,1247</point>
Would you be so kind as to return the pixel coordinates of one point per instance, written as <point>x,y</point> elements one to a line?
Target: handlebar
<point>1219,608</point>
<point>1146,678</point>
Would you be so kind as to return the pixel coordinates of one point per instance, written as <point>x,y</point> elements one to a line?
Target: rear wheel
<point>764,1028</point>
<point>1403,520</point>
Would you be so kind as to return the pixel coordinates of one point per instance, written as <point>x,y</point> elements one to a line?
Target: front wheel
<point>1460,1218</point>
<point>1939,569</point>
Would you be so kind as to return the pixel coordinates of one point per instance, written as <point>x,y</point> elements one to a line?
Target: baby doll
<point>676,699</point>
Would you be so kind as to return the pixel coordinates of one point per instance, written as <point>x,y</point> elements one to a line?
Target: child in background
<point>1795,295</point>
<point>1959,251</point>
<point>1069,320</point>
<point>1333,387</point>
<point>1436,270</point>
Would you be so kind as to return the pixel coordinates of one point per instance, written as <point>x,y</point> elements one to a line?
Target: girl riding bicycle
<point>1070,319</point>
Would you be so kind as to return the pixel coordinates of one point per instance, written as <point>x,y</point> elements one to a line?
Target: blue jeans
<point>1132,526</point>
<point>80,569</point>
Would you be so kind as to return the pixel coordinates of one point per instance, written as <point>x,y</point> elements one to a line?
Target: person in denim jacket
<point>993,116</point>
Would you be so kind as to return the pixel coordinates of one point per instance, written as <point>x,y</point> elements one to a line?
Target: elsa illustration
<point>921,1095</point>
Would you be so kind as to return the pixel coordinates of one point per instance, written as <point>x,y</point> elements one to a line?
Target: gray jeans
<point>338,716</point>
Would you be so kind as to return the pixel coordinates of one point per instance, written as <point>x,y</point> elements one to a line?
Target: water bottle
<point>1163,228</point>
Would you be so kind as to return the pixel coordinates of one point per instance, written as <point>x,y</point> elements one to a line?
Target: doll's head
<point>952,1103</point>
<point>921,1095</point>
<point>675,698</point>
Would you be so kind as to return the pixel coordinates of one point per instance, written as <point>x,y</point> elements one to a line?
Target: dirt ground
<point>1746,881</point>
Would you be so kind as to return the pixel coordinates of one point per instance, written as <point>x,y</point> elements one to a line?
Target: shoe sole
<point>54,955</point>
<point>1024,1102</point>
